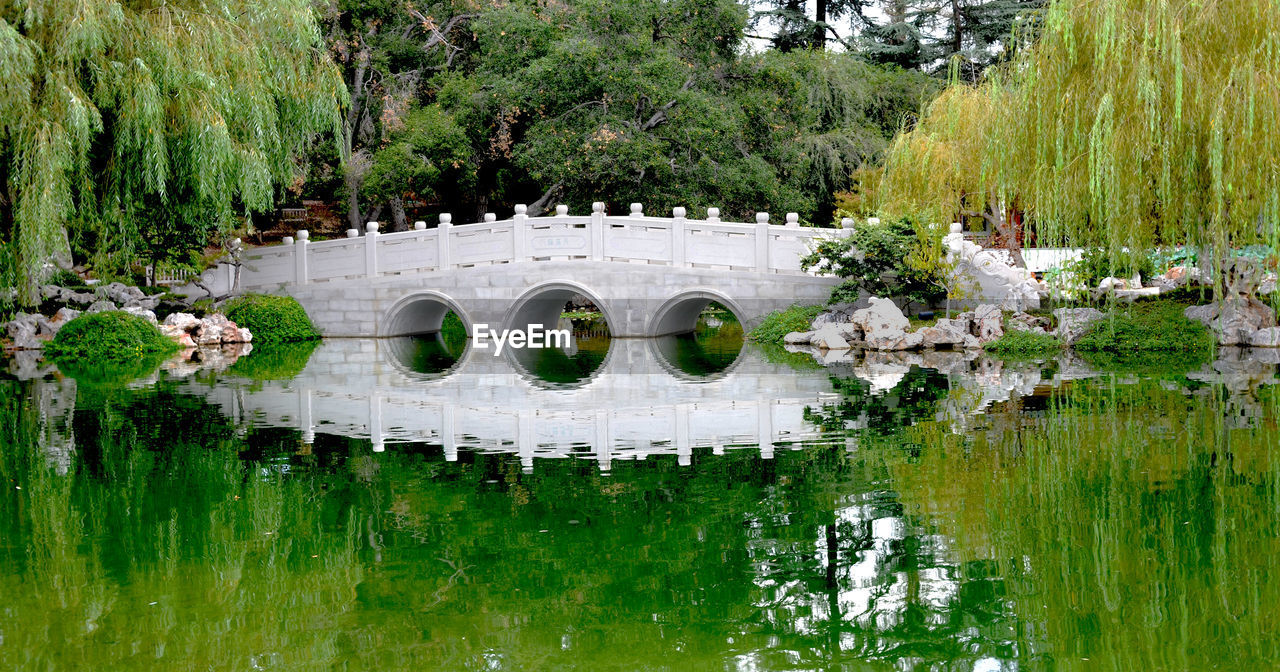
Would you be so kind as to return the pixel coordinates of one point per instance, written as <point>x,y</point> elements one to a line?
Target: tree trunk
<point>820,29</point>
<point>398,220</point>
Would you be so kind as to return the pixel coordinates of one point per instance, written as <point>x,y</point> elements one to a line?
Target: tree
<point>428,155</point>
<point>1130,124</point>
<point>107,110</point>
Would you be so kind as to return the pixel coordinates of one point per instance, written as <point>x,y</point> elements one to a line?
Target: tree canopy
<point>1131,123</point>
<point>116,116</point>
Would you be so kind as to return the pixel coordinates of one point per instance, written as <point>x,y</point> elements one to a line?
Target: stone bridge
<point>650,276</point>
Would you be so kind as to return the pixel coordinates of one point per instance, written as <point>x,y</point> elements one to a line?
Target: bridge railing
<point>638,238</point>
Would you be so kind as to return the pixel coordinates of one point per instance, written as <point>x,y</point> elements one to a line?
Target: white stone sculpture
<point>988,275</point>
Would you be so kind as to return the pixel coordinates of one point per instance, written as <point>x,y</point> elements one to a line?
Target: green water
<point>1117,522</point>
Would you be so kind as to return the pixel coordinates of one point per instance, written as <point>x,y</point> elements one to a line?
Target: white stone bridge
<point>650,276</point>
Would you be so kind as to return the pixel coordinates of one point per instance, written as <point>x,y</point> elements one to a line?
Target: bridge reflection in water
<point>625,398</point>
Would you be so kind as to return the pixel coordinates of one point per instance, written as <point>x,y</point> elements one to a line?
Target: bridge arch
<point>544,303</point>
<point>679,314</point>
<point>421,312</point>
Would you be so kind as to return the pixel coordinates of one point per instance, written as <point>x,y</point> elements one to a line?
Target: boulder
<point>65,315</point>
<point>100,307</point>
<point>971,342</point>
<point>120,293</point>
<point>1205,314</point>
<point>22,333</point>
<point>798,338</point>
<point>823,319</point>
<point>143,313</point>
<point>245,336</point>
<point>1268,285</point>
<point>893,342</point>
<point>183,321</point>
<point>881,319</point>
<point>79,298</point>
<point>1074,322</point>
<point>988,323</point>
<point>1239,317</point>
<point>1266,338</point>
<point>178,335</point>
<point>946,333</point>
<point>850,332</point>
<point>829,338</point>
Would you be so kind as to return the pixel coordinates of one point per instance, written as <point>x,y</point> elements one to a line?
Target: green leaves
<point>113,117</point>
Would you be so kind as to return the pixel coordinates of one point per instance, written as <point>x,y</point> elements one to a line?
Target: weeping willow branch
<point>115,116</point>
<point>1130,123</point>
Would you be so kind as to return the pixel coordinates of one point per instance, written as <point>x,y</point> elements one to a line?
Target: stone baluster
<point>637,210</point>
<point>371,249</point>
<point>762,242</point>
<point>300,257</point>
<point>713,215</point>
<point>597,231</point>
<point>562,210</point>
<point>443,231</point>
<point>846,223</point>
<point>490,217</point>
<point>793,219</point>
<point>419,226</point>
<point>353,233</point>
<point>519,228</point>
<point>678,226</point>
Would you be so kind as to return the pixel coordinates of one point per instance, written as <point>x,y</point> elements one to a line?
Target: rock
<point>988,323</point>
<point>881,319</point>
<point>1110,284</point>
<point>22,333</point>
<point>79,298</point>
<point>1140,292</point>
<point>101,307</point>
<point>890,341</point>
<point>829,338</point>
<point>245,336</point>
<point>65,315</point>
<point>231,333</point>
<point>183,321</point>
<point>850,332</point>
<point>1266,338</point>
<point>1239,317</point>
<point>823,319</point>
<point>1268,284</point>
<point>1176,276</point>
<point>120,293</point>
<point>971,342</point>
<point>793,338</point>
<point>944,333</point>
<point>143,313</point>
<point>1074,322</point>
<point>148,303</point>
<point>1203,314</point>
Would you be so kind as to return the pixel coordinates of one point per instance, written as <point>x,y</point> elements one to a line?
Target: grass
<point>1017,343</point>
<point>780,323</point>
<point>1147,336</point>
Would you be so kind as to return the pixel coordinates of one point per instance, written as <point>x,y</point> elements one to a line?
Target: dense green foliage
<point>271,319</point>
<point>1130,124</point>
<point>779,323</point>
<point>108,338</point>
<point>1097,263</point>
<point>478,109</point>
<point>144,129</point>
<point>883,259</point>
<point>1147,330</point>
<point>1018,343</point>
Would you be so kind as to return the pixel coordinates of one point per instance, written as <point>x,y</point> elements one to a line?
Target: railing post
<point>793,219</point>
<point>490,217</point>
<point>300,257</point>
<point>371,249</point>
<point>353,233</point>
<point>678,255</point>
<point>762,242</point>
<point>519,224</point>
<point>419,226</point>
<point>443,231</point>
<point>597,231</point>
<point>713,215</point>
<point>637,210</point>
<point>562,211</point>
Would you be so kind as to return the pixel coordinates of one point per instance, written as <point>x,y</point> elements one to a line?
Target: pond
<point>678,504</point>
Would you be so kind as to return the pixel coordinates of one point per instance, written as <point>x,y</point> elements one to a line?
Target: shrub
<point>780,323</point>
<point>1097,263</point>
<point>271,319</point>
<point>1017,343</point>
<point>1144,329</point>
<point>877,258</point>
<point>111,336</point>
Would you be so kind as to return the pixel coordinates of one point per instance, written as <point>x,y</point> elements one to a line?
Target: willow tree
<point>1130,123</point>
<point>120,117</point>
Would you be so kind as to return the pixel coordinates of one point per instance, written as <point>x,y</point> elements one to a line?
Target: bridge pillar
<point>519,231</point>
<point>677,237</point>
<point>300,257</point>
<point>762,242</point>
<point>442,243</point>
<point>597,231</point>
<point>371,249</point>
